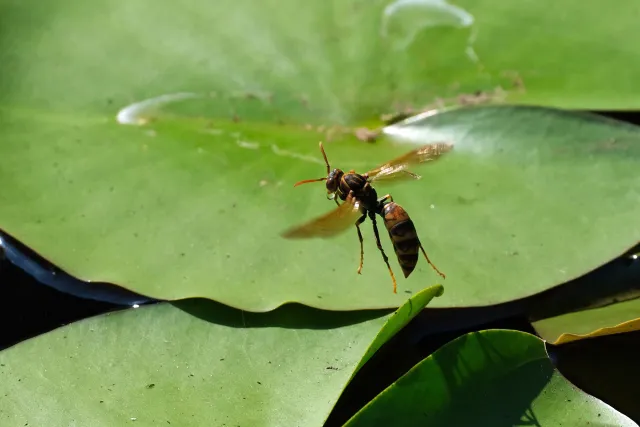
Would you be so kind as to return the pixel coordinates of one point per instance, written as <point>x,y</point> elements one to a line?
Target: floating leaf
<point>194,362</point>
<point>494,214</point>
<point>493,377</point>
<point>612,319</point>
<point>402,317</point>
<point>235,96</point>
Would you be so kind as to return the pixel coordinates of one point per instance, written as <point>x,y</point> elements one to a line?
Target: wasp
<point>360,200</point>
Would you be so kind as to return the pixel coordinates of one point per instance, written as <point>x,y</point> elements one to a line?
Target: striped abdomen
<point>403,235</point>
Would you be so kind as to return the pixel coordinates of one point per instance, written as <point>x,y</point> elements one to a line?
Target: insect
<point>360,200</point>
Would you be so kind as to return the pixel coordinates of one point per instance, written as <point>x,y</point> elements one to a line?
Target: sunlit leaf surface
<point>194,363</point>
<point>192,201</point>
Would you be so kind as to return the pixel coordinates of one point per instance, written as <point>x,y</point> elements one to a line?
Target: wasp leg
<point>384,256</point>
<point>358,222</point>
<point>430,263</point>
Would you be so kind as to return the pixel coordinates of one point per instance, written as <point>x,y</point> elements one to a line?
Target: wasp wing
<point>395,176</point>
<point>396,169</point>
<point>329,224</point>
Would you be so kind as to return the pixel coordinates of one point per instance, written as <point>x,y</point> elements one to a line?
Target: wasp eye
<point>331,185</point>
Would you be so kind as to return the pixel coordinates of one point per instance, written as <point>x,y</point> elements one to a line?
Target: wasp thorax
<point>333,180</point>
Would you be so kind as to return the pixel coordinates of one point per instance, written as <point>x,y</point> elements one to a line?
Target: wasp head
<point>333,180</point>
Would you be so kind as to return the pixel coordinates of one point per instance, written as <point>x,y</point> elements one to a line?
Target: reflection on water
<point>410,131</point>
<point>49,275</point>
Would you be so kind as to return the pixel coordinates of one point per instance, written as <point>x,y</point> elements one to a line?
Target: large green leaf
<point>495,214</point>
<point>208,196</point>
<point>494,377</point>
<point>193,363</point>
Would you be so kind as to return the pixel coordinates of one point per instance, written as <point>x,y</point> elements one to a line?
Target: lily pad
<point>194,362</point>
<point>493,377</point>
<point>495,214</point>
<point>612,319</point>
<point>193,203</point>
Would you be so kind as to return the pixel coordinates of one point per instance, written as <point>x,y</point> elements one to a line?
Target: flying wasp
<point>360,200</point>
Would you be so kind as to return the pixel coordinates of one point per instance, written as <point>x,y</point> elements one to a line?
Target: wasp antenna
<point>306,181</point>
<point>325,158</point>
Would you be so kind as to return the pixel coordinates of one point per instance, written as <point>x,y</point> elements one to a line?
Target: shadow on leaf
<point>477,379</point>
<point>290,316</point>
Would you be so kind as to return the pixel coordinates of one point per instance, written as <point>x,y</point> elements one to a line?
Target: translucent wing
<point>396,176</point>
<point>329,224</point>
<point>396,169</point>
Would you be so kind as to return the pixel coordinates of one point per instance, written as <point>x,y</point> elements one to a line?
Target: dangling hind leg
<point>358,222</point>
<point>384,256</point>
<point>430,263</point>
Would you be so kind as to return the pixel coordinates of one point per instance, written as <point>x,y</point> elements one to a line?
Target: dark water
<point>37,297</point>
